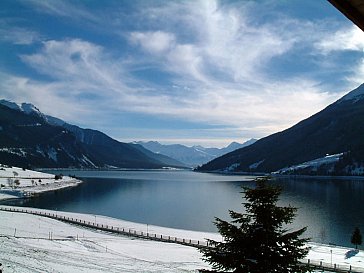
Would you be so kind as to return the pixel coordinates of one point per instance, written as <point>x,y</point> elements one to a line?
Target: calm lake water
<point>331,208</point>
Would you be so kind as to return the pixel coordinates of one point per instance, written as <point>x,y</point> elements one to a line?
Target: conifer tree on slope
<point>256,241</point>
<point>356,238</point>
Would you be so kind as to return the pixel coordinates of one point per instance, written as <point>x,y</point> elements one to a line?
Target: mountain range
<point>30,139</point>
<point>336,130</point>
<point>192,156</point>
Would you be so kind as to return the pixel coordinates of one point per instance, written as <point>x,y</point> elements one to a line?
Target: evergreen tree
<point>256,241</point>
<point>356,238</point>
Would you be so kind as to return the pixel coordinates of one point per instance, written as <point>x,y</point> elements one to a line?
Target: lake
<point>331,208</point>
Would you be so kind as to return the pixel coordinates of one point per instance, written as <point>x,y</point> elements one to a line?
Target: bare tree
<point>11,182</point>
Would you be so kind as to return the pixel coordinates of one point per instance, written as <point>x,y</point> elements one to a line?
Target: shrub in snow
<point>58,177</point>
<point>17,182</point>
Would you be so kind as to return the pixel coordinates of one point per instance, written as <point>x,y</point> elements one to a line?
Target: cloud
<point>342,40</point>
<point>86,79</point>
<point>72,60</point>
<point>63,8</point>
<point>217,63</point>
<point>224,43</point>
<point>45,96</point>
<point>154,42</point>
<point>357,75</point>
<point>18,35</point>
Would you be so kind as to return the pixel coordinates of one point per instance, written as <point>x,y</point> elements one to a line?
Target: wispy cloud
<point>63,8</point>
<point>342,40</point>
<point>154,42</point>
<point>83,72</point>
<point>214,61</point>
<point>18,35</point>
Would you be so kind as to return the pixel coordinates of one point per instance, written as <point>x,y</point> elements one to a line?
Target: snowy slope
<point>74,249</point>
<point>313,164</point>
<point>355,95</point>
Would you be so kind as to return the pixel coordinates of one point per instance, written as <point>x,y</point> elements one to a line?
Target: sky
<point>189,72</point>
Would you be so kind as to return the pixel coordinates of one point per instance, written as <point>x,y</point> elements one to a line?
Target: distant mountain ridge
<point>337,129</point>
<point>28,138</point>
<point>192,156</point>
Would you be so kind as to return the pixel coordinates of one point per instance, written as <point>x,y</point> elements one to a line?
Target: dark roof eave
<point>350,11</point>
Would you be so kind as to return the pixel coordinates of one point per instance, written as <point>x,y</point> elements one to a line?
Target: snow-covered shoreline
<point>19,183</point>
<point>32,243</point>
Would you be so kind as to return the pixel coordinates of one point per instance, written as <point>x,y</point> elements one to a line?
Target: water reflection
<point>329,207</point>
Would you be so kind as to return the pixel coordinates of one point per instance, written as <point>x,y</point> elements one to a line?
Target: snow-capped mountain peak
<point>24,107</point>
<point>29,108</point>
<point>356,94</point>
<point>11,104</point>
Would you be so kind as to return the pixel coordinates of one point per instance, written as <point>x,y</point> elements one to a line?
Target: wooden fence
<point>110,228</point>
<point>315,264</point>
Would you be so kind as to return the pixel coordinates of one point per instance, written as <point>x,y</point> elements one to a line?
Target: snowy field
<point>76,249</point>
<point>16,182</point>
<point>31,243</point>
